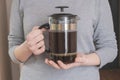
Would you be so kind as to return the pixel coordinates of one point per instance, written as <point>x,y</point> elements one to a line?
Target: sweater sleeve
<point>16,34</point>
<point>104,36</point>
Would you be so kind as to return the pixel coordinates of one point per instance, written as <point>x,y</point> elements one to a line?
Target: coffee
<point>63,45</point>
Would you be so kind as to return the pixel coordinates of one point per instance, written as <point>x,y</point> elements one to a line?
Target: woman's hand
<point>35,41</point>
<point>34,44</point>
<point>80,60</point>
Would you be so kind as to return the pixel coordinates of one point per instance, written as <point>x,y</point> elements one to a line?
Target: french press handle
<point>46,26</point>
<point>62,8</point>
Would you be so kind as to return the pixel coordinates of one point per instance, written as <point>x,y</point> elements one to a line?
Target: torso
<point>36,13</point>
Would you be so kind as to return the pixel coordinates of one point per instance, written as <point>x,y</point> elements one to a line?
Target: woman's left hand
<point>81,59</point>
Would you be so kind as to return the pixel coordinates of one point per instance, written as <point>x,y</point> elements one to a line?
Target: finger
<point>65,66</point>
<point>53,64</point>
<point>36,40</point>
<point>43,29</point>
<point>78,58</point>
<point>39,51</point>
<point>81,59</point>
<point>37,46</point>
<point>46,61</point>
<point>68,66</point>
<point>62,65</point>
<point>40,44</point>
<point>33,34</point>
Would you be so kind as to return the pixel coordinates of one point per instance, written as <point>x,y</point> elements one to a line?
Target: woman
<point>96,42</point>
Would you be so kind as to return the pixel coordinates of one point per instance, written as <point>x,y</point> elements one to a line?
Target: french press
<point>62,36</point>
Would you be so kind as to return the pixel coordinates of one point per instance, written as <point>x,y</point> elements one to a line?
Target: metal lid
<point>63,15</point>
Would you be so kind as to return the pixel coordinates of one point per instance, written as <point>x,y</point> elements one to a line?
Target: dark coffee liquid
<point>63,45</point>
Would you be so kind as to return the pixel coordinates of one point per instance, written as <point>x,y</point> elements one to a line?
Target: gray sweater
<point>95,34</point>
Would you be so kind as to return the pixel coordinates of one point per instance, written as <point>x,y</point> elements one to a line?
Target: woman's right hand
<point>34,44</point>
<point>35,41</point>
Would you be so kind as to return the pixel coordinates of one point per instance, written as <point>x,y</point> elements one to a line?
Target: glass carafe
<point>63,37</point>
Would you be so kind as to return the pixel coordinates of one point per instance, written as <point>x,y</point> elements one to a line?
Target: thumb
<point>43,29</point>
<point>35,28</point>
<point>80,58</point>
